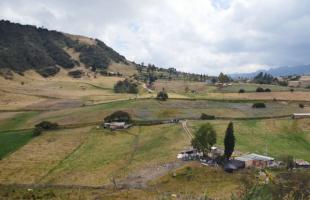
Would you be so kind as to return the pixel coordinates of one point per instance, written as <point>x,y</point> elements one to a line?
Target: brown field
<point>288,96</point>
<point>33,161</point>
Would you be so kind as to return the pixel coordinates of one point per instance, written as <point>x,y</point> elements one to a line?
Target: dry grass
<point>37,158</point>
<point>125,70</point>
<point>291,96</point>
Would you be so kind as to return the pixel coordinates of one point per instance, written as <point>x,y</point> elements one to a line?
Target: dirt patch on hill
<point>141,178</point>
<point>56,104</point>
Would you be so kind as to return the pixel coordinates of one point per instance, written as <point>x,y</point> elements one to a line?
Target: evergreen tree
<point>229,140</point>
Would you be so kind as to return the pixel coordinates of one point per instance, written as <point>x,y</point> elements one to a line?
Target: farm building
<point>300,115</point>
<point>116,125</point>
<point>233,165</point>
<point>215,152</point>
<point>256,160</point>
<point>302,163</point>
<point>191,154</point>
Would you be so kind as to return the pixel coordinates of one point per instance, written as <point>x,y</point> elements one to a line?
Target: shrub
<point>259,89</point>
<point>292,90</point>
<point>37,132</point>
<point>46,125</point>
<point>48,71</point>
<point>301,105</point>
<point>267,90</point>
<point>162,95</point>
<point>75,74</point>
<point>241,91</point>
<point>126,86</point>
<point>118,116</point>
<point>207,117</point>
<point>258,105</point>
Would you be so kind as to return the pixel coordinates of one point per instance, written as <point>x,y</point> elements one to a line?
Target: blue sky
<point>202,36</point>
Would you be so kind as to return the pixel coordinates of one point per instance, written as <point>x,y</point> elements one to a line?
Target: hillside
<point>279,71</point>
<point>24,47</point>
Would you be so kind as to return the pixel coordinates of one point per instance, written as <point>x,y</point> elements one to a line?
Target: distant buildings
<point>304,81</point>
<point>300,115</point>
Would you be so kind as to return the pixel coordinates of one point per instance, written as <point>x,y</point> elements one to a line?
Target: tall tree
<point>204,138</point>
<point>229,140</point>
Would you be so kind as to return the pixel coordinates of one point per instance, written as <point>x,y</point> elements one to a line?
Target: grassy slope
<point>12,141</point>
<point>153,109</point>
<point>282,137</point>
<point>117,154</point>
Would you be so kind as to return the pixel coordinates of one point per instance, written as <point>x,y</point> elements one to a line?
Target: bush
<point>259,105</point>
<point>267,90</point>
<point>259,89</point>
<point>301,105</point>
<point>126,86</point>
<point>292,90</point>
<point>75,74</point>
<point>207,117</point>
<point>48,71</point>
<point>241,91</point>
<point>37,132</point>
<point>46,125</point>
<point>118,116</point>
<point>162,95</point>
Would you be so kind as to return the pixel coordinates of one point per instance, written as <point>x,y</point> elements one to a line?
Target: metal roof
<point>254,156</point>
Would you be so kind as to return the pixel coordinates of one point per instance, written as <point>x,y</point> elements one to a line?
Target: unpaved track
<point>187,131</point>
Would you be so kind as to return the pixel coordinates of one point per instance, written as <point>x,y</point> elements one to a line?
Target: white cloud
<point>203,36</point>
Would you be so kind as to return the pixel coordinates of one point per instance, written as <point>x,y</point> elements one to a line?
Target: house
<point>116,125</point>
<point>256,160</point>
<point>301,163</point>
<point>191,154</point>
<point>233,165</point>
<point>215,152</point>
<point>300,115</point>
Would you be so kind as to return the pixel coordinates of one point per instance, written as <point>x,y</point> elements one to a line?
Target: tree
<point>162,95</point>
<point>118,116</point>
<point>223,78</point>
<point>204,138</point>
<point>229,140</point>
<point>260,89</point>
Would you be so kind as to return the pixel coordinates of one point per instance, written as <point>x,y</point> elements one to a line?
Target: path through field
<point>187,131</point>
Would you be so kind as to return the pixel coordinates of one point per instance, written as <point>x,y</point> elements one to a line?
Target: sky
<point>201,36</point>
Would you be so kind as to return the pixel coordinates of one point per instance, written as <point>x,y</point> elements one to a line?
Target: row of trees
<point>205,137</point>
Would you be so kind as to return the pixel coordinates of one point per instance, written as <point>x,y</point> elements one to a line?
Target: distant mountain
<point>279,71</point>
<point>24,47</point>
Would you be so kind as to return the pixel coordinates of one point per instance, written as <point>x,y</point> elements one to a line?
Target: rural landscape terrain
<point>58,90</point>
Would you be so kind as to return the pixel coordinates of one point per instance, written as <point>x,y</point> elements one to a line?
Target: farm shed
<point>302,163</point>
<point>300,115</point>
<point>233,165</point>
<point>191,154</point>
<point>116,125</point>
<point>256,160</point>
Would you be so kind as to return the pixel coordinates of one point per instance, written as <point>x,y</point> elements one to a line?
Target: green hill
<point>24,47</point>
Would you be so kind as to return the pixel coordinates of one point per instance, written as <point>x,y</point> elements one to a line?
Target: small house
<point>300,115</point>
<point>256,160</point>
<point>301,163</point>
<point>191,154</point>
<point>116,125</point>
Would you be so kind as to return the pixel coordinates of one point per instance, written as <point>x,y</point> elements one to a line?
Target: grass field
<point>281,137</point>
<point>117,155</point>
<point>153,110</point>
<point>12,141</point>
